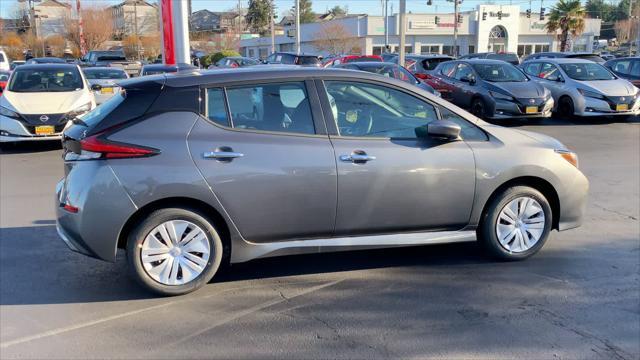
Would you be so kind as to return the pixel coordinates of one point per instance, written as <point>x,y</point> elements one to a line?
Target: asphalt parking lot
<point>578,298</point>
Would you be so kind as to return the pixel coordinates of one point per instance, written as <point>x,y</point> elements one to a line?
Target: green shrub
<point>207,60</point>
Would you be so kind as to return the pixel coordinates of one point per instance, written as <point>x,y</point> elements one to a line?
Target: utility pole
<point>630,26</point>
<point>83,44</point>
<point>135,24</point>
<point>273,28</point>
<point>403,31</point>
<point>386,24</point>
<point>298,26</point>
<point>455,28</point>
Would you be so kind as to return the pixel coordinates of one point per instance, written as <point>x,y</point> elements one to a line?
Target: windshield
<point>499,73</point>
<point>587,71</point>
<point>44,79</point>
<point>104,74</point>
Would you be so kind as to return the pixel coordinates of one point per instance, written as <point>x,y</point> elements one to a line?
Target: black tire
<point>487,235</point>
<point>566,108</point>
<point>137,236</point>
<point>478,108</point>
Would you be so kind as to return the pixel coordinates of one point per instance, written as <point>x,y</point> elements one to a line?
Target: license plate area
<point>106,90</point>
<point>531,109</point>
<point>45,130</point>
<point>622,107</point>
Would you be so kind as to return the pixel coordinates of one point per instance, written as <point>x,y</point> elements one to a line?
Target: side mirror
<point>560,79</point>
<point>471,80</point>
<point>440,129</point>
<point>96,87</point>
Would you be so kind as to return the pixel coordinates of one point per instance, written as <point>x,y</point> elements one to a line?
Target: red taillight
<point>111,150</point>
<point>70,208</point>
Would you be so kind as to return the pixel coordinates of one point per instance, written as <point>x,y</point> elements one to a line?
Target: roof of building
<point>134,2</point>
<point>54,3</point>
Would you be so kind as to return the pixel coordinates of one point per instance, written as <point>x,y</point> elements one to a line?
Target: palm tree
<point>568,17</point>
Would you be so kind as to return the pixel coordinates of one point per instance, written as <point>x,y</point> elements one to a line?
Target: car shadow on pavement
<point>30,147</point>
<point>564,122</point>
<point>37,268</point>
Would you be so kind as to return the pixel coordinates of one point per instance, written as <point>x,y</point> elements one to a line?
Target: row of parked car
<point>497,85</point>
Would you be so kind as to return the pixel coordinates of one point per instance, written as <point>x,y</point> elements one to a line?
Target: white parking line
<point>62,330</point>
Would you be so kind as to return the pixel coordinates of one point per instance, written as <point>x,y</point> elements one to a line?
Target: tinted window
<point>587,72</point>
<point>469,132</point>
<point>549,72</point>
<point>216,109</point>
<point>593,58</point>
<point>307,60</point>
<point>99,113</point>
<point>44,79</point>
<point>464,72</point>
<point>503,57</point>
<point>103,74</point>
<point>499,73</point>
<point>448,69</point>
<point>286,59</point>
<point>431,64</point>
<point>367,110</point>
<point>635,70</point>
<point>622,66</point>
<point>533,69</point>
<point>1,58</point>
<point>273,107</point>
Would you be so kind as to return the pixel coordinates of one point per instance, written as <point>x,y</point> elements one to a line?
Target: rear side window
<point>216,109</point>
<point>307,60</point>
<point>280,107</point>
<point>635,69</point>
<point>448,69</point>
<point>533,69</point>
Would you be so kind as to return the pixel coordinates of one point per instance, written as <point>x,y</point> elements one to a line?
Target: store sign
<point>495,14</point>
<point>428,25</point>
<point>537,26</point>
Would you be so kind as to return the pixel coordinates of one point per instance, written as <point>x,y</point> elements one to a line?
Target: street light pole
<point>135,24</point>
<point>273,29</point>
<point>298,26</point>
<point>630,26</point>
<point>386,24</point>
<point>455,28</point>
<point>403,31</point>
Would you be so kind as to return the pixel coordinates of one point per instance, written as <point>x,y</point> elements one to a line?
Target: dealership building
<point>487,28</point>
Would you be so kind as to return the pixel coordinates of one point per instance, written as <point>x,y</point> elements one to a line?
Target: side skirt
<point>244,251</point>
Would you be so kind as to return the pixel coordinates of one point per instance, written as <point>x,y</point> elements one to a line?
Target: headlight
<point>590,94</point>
<point>497,95</point>
<point>9,113</point>
<point>568,155</point>
<point>79,111</point>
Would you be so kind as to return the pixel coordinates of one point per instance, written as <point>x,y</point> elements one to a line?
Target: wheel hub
<point>520,224</point>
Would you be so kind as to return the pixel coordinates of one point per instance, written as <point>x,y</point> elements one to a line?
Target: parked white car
<point>40,101</point>
<point>4,61</point>
<point>585,88</point>
<point>107,80</point>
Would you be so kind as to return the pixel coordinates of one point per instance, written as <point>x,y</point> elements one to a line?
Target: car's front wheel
<point>174,251</point>
<point>516,223</point>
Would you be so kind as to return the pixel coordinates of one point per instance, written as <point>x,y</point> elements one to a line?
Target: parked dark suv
<point>190,171</point>
<point>286,58</point>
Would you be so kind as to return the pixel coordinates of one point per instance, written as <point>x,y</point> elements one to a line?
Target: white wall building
<point>131,13</point>
<point>504,28</point>
<point>51,15</point>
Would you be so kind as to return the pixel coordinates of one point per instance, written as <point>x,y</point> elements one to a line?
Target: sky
<point>372,7</point>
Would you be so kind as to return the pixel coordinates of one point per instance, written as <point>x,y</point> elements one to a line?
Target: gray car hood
<point>516,136</point>
<point>527,89</point>
<point>618,87</point>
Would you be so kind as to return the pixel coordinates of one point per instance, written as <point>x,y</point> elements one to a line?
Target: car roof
<point>158,66</point>
<point>484,61</point>
<point>294,54</point>
<point>59,66</point>
<point>102,68</point>
<point>368,64</point>
<point>564,61</point>
<point>428,56</point>
<point>253,74</point>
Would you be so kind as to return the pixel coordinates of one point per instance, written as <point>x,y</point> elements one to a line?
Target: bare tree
<point>98,28</point>
<point>335,39</point>
<point>626,30</point>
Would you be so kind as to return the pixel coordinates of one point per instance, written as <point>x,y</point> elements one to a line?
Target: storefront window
<point>430,49</point>
<point>542,48</point>
<point>524,50</point>
<point>448,50</point>
<point>472,49</point>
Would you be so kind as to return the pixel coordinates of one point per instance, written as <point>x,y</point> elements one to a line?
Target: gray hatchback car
<point>190,171</point>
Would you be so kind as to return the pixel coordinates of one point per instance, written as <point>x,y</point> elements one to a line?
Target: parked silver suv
<point>190,171</point>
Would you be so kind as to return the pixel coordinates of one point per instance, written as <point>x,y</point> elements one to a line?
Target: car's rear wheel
<point>478,108</point>
<point>174,251</point>
<point>516,223</point>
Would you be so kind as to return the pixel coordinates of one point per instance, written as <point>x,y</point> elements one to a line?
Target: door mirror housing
<point>469,79</point>
<point>560,79</point>
<point>440,129</point>
<point>96,87</point>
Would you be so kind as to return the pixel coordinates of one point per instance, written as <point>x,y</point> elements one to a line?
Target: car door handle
<point>357,157</point>
<point>222,155</point>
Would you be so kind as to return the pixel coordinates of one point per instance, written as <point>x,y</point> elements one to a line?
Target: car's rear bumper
<point>91,187</point>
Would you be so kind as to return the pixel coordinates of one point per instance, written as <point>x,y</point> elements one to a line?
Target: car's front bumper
<point>596,107</point>
<point>512,110</point>
<point>12,130</point>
